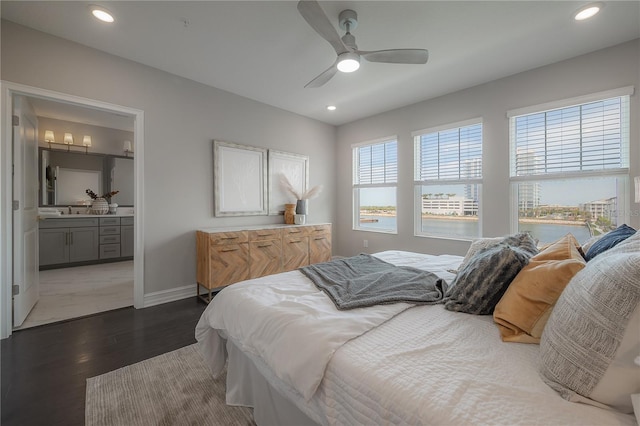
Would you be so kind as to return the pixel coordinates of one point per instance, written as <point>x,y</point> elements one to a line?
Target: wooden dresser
<point>228,255</point>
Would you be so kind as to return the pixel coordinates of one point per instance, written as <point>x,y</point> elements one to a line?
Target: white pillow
<point>588,346</point>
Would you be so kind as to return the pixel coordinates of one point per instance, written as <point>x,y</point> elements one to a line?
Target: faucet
<point>69,209</point>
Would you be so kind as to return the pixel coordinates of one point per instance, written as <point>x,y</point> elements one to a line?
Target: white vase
<point>100,206</point>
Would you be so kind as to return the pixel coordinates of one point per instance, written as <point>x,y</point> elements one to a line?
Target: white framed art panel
<point>240,179</point>
<point>295,167</point>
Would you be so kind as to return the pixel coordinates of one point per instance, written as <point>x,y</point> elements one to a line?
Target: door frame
<point>7,91</point>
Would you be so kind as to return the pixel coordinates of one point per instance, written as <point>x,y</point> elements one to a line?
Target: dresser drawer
<point>108,251</point>
<point>265,234</point>
<point>318,230</point>
<point>110,230</point>
<point>110,239</point>
<point>294,231</point>
<point>229,237</point>
<point>127,220</point>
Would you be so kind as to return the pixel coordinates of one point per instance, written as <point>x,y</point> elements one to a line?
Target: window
<point>570,168</point>
<point>448,180</point>
<point>375,177</point>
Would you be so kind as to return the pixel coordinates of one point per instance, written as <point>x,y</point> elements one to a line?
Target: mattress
<point>426,365</point>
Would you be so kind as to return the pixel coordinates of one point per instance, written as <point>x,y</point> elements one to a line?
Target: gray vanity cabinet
<point>68,240</point>
<point>74,241</point>
<point>54,246</point>
<point>126,237</point>
<point>109,237</point>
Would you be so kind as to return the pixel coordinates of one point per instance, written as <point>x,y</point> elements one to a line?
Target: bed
<point>296,359</point>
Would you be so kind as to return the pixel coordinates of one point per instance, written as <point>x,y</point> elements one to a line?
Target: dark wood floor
<point>44,369</point>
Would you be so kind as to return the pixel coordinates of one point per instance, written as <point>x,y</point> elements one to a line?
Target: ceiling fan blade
<point>323,77</point>
<point>315,16</point>
<point>396,56</point>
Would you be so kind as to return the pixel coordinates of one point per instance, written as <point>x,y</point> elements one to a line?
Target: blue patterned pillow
<point>609,240</point>
<point>479,285</point>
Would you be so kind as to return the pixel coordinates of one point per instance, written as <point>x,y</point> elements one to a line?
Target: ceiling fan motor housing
<point>348,20</point>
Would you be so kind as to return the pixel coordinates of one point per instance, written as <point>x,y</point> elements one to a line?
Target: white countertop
<point>44,216</point>
<point>255,227</point>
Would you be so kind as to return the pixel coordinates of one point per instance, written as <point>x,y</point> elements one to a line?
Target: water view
<point>545,232</point>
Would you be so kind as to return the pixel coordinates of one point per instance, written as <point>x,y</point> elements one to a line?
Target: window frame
<point>356,187</point>
<point>418,183</point>
<point>622,173</point>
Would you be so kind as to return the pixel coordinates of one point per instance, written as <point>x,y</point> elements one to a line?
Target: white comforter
<point>276,316</point>
<point>424,366</point>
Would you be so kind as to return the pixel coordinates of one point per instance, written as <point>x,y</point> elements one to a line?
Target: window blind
<point>586,137</point>
<point>377,163</point>
<point>453,154</point>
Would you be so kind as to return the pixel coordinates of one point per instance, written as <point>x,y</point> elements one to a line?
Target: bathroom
<point>86,211</point>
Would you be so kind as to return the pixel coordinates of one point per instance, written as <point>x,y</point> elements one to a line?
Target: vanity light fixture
<point>86,142</point>
<point>127,148</point>
<point>68,139</point>
<point>49,138</point>
<point>587,11</point>
<point>102,14</point>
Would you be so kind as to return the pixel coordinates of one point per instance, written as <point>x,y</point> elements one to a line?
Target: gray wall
<point>603,70</point>
<point>182,118</point>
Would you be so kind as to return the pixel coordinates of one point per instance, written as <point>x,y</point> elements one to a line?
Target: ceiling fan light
<point>348,62</point>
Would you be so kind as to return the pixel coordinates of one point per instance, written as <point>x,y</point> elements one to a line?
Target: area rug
<point>175,388</point>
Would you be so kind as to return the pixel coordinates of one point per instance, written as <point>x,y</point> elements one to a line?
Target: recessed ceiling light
<point>101,13</point>
<point>331,107</point>
<point>587,11</point>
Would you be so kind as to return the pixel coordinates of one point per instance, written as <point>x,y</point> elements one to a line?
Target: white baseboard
<point>171,295</point>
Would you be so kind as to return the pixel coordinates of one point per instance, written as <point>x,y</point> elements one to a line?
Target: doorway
<point>12,259</point>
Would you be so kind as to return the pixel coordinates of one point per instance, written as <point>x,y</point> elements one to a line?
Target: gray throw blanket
<point>364,280</point>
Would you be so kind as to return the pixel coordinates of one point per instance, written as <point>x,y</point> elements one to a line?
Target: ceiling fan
<point>348,59</point>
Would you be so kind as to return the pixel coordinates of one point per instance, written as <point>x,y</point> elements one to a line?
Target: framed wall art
<point>240,179</point>
<point>295,168</point>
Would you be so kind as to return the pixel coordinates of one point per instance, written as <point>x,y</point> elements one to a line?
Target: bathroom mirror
<point>64,177</point>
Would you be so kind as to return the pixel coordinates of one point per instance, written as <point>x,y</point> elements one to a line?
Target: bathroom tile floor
<point>82,290</point>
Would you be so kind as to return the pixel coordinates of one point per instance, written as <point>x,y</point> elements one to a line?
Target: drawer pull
<point>264,245</point>
<point>229,238</point>
<point>295,241</point>
<point>319,238</point>
<point>229,249</point>
<point>265,235</point>
<point>294,232</point>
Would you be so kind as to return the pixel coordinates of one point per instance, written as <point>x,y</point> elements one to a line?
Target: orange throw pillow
<point>525,307</point>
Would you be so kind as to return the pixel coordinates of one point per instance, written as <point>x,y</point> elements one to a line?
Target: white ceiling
<point>264,50</point>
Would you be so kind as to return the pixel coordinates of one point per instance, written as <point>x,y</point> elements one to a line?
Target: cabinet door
<point>126,240</point>
<point>229,264</point>
<point>295,252</point>
<point>54,246</point>
<point>265,258</point>
<point>84,244</point>
<point>320,248</point>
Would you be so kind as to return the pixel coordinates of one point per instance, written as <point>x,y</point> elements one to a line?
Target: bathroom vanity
<point>82,239</point>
